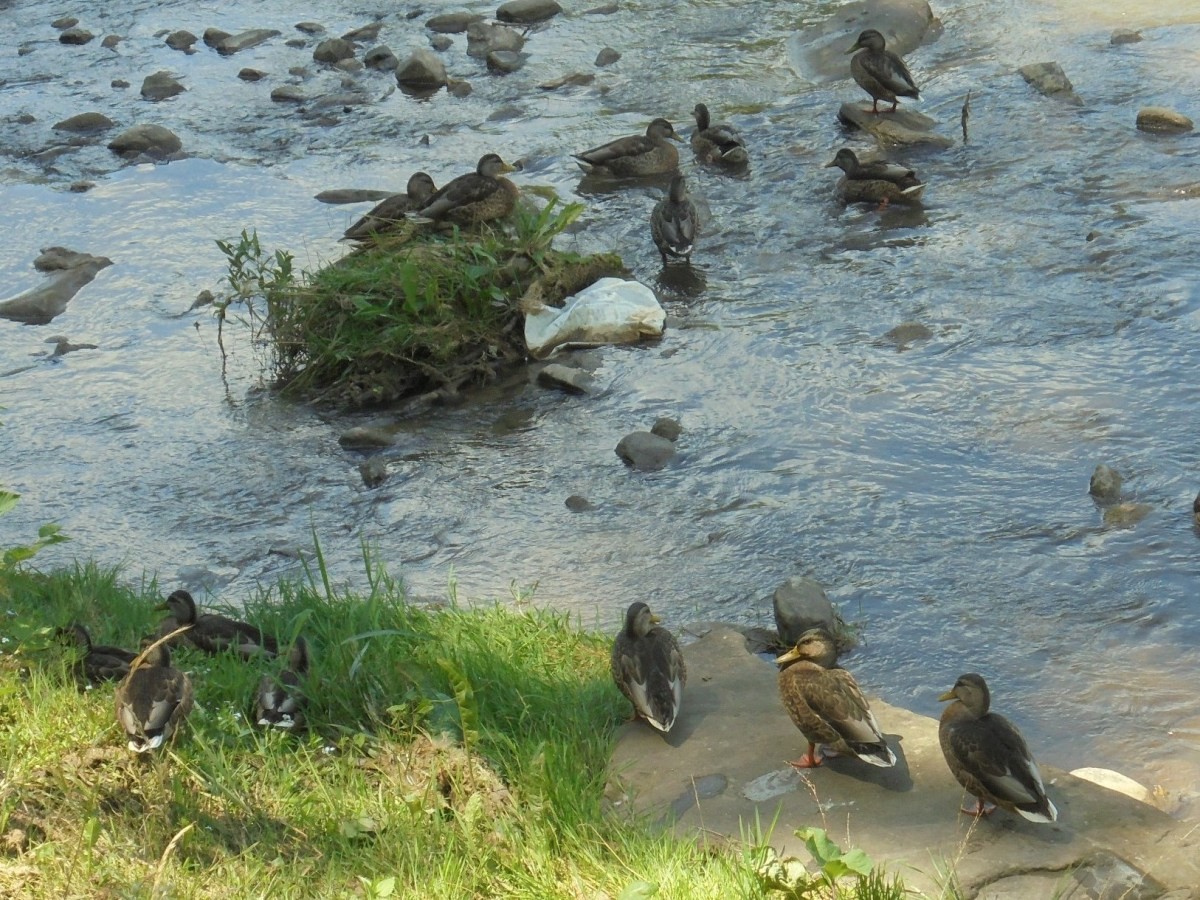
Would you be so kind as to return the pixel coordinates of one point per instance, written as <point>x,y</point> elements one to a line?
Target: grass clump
<point>411,313</point>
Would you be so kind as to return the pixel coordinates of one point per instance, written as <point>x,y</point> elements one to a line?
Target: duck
<point>474,198</point>
<point>153,700</point>
<point>389,212</point>
<point>988,756</point>
<point>1196,510</point>
<point>99,662</point>
<point>879,72</point>
<point>717,142</point>
<point>827,705</point>
<point>213,633</point>
<point>279,702</point>
<point>673,223</point>
<point>648,667</point>
<point>648,154</point>
<point>875,182</point>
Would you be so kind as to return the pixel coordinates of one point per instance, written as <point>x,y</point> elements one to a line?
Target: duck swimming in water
<point>637,154</point>
<point>716,142</point>
<point>876,182</point>
<point>673,223</point>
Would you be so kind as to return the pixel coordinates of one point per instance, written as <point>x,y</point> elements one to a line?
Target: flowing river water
<point>937,488</point>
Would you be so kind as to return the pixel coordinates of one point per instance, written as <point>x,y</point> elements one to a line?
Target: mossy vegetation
<point>417,310</point>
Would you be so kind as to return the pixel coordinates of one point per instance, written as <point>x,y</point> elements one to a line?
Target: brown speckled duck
<point>214,633</point>
<point>717,142</point>
<point>674,223</point>
<point>97,662</point>
<point>875,182</point>
<point>279,702</point>
<point>153,700</point>
<point>479,196</point>
<point>988,756</point>
<point>648,154</point>
<point>648,667</point>
<point>389,212</point>
<point>879,72</point>
<point>827,705</point>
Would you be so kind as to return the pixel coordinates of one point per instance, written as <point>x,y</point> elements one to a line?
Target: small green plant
<point>252,275</point>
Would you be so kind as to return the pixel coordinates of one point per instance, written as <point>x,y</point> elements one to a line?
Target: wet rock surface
<point>1163,120</point>
<point>1048,78</point>
<point>68,270</point>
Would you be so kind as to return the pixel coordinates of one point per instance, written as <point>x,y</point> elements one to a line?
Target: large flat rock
<point>723,767</point>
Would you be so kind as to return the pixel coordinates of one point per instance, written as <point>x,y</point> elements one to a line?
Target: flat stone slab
<point>904,126</point>
<point>724,767</point>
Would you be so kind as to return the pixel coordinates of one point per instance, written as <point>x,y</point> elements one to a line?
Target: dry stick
<point>966,114</point>
<point>162,860</point>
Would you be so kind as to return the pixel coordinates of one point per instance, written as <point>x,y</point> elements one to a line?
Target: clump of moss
<point>413,312</point>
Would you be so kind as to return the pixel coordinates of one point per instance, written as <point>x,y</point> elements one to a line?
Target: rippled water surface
<point>938,489</point>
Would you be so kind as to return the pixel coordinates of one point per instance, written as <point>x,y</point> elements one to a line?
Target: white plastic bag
<point>611,311</point>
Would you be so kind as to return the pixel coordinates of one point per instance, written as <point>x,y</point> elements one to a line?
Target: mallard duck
<point>648,154</point>
<point>827,705</point>
<point>153,700</point>
<point>875,182</point>
<point>388,212</point>
<point>648,667</point>
<point>279,702</point>
<point>214,633</point>
<point>98,662</point>
<point>478,196</point>
<point>673,223</point>
<point>879,72</point>
<point>988,756</point>
<point>717,142</point>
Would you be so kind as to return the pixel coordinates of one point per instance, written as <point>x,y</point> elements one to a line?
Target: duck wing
<point>279,702</point>
<point>150,704</point>
<point>382,217</point>
<point>992,752</point>
<point>465,190</point>
<point>838,712</point>
<point>674,226</point>
<point>893,74</point>
<point>216,634</point>
<point>650,671</point>
<point>621,148</point>
<point>105,663</point>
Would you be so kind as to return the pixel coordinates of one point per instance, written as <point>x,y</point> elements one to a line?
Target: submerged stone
<point>1105,484</point>
<point>1163,120</point>
<point>644,451</point>
<point>1049,79</point>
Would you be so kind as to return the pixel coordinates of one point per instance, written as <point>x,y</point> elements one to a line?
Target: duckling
<point>988,756</point>
<point>214,633</point>
<point>673,223</point>
<point>717,142</point>
<point>648,667</point>
<point>279,702</point>
<point>826,704</point>
<point>875,182</point>
<point>153,700</point>
<point>388,212</point>
<point>476,197</point>
<point>649,154</point>
<point>879,72</point>
<point>99,662</point>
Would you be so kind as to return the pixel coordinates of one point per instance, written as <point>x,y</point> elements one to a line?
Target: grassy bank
<point>452,753</point>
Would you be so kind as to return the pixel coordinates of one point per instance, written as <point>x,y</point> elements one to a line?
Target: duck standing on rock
<point>988,756</point>
<point>99,662</point>
<point>648,667</point>
<point>392,210</point>
<point>827,705</point>
<point>279,702</point>
<point>674,223</point>
<point>875,182</point>
<point>879,72</point>
<point>474,198</point>
<point>214,633</point>
<point>648,154</point>
<point>153,700</point>
<point>716,142</point>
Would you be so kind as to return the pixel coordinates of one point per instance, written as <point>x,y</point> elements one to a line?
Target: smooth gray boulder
<point>76,36</point>
<point>606,57</point>
<point>505,61</point>
<point>381,58</point>
<point>150,140</point>
<point>85,123</point>
<point>213,37</point>
<point>1105,484</point>
<point>452,23</point>
<point>817,53</point>
<point>235,43</point>
<point>902,127</point>
<point>69,271</point>
<point>484,38</point>
<point>644,451</point>
<point>423,70</point>
<point>1163,120</point>
<point>800,604</point>
<point>528,12</point>
<point>161,86</point>
<point>666,427</point>
<point>1050,80</point>
<point>181,40</point>
<point>333,50</point>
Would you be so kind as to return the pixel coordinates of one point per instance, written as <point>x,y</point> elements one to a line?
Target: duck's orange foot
<point>979,810</point>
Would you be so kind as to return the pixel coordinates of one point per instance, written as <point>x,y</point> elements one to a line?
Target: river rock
<point>484,38</point>
<point>606,57</point>
<point>363,34</point>
<point>363,437</point>
<point>440,42</point>
<point>80,187</point>
<point>800,604</point>
<point>1163,120</point>
<point>288,93</point>
<point>85,123</point>
<point>249,74</point>
<point>565,378</point>
<point>77,36</point>
<point>110,41</point>
<point>352,195</point>
<point>421,71</point>
<point>1048,78</point>
<point>527,12</point>
<point>333,50</point>
<point>666,427</point>
<point>63,346</point>
<point>69,271</point>
<point>644,451</point>
<point>818,52</point>
<point>576,504</point>
<point>573,79</point>
<point>907,333</point>
<point>1126,514</point>
<point>902,127</point>
<point>235,43</point>
<point>310,27</point>
<point>213,37</point>
<point>452,23</point>
<point>64,23</point>
<point>458,89</point>
<point>374,471</point>
<point>1124,36</point>
<point>181,40</point>
<point>505,61</point>
<point>119,84</point>
<point>152,140</point>
<point>1105,484</point>
<point>161,86</point>
<point>380,58</point>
